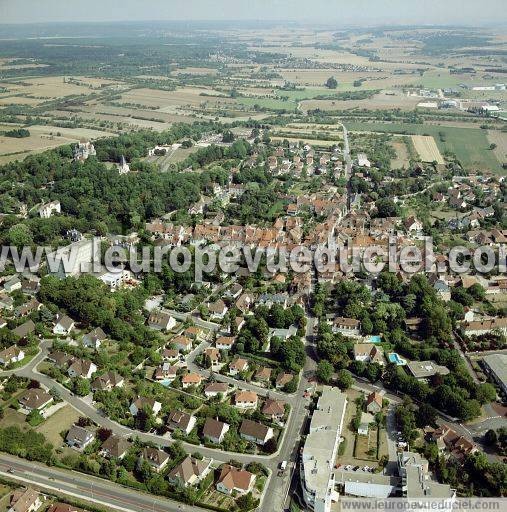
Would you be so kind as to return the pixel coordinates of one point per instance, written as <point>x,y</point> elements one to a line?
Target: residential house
<point>64,507</point>
<point>34,399</point>
<point>94,338</point>
<point>157,459</point>
<point>170,355</point>
<point>237,366</point>
<point>190,472</point>
<point>225,342</point>
<point>25,500</point>
<point>63,326</point>
<point>79,438</point>
<point>273,409</point>
<point>216,388</point>
<point>213,355</point>
<point>145,403</point>
<point>486,326</point>
<point>83,368</point>
<point>178,420</point>
<point>10,355</point>
<point>30,307</point>
<point>161,321</point>
<point>191,379</point>
<point>217,310</point>
<point>246,400</point>
<point>108,381</point>
<point>115,447</point>
<point>255,432</point>
<point>166,372</point>
<point>234,481</point>
<point>182,343</point>
<point>369,353</point>
<point>263,375</point>
<point>24,330</point>
<point>215,430</point>
<point>283,379</point>
<point>426,369</point>
<point>6,302</point>
<point>12,284</point>
<point>412,224</point>
<point>346,326</point>
<point>374,403</point>
<point>47,209</point>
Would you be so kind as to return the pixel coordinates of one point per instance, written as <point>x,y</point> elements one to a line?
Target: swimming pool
<point>376,338</point>
<point>395,358</point>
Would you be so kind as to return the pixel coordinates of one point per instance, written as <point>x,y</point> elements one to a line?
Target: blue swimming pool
<point>395,358</point>
<point>376,338</point>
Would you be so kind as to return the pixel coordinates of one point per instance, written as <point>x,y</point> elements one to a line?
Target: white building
<point>320,450</point>
<point>123,167</point>
<point>83,150</point>
<point>74,259</point>
<point>47,209</point>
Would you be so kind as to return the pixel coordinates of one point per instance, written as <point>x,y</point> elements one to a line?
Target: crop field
<point>402,155</point>
<point>500,139</point>
<point>470,145</point>
<point>426,147</point>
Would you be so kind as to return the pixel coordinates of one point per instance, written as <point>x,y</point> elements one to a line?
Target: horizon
<point>383,12</point>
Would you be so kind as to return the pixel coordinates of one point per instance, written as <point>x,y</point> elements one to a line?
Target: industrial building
<point>496,366</point>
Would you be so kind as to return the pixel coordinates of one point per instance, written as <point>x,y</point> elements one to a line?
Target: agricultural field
<point>427,149</point>
<point>470,145</point>
<point>402,154</point>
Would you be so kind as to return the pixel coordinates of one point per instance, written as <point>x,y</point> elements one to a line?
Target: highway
<point>85,487</point>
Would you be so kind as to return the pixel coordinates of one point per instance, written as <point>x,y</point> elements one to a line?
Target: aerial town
<point>268,275</point>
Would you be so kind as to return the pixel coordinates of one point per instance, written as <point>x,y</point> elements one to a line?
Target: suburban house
<point>216,388</point>
<point>237,366</point>
<point>225,342</point>
<point>115,447</point>
<point>34,400</point>
<point>479,327</point>
<point>283,379</point>
<point>25,329</point>
<point>47,209</point>
<point>161,321</point>
<point>448,440</point>
<point>25,500</point>
<point>213,355</point>
<point>255,432</point>
<point>191,379</point>
<point>64,325</point>
<point>426,369</point>
<point>12,284</point>
<point>12,354</point>
<point>108,381</point>
<point>178,420</point>
<point>6,302</point>
<point>369,353</point>
<point>190,472</point>
<point>94,338</point>
<point>217,310</point>
<point>170,355</point>
<point>31,306</point>
<point>346,326</point>
<point>374,403</point>
<point>182,343</point>
<point>246,400</point>
<point>157,459</point>
<point>79,438</point>
<point>412,224</point>
<point>82,368</point>
<point>263,375</point>
<point>64,507</point>
<point>145,403</point>
<point>166,372</point>
<point>235,481</point>
<point>215,430</point>
<point>273,409</point>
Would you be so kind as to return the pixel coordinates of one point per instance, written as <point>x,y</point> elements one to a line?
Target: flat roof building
<point>320,450</point>
<point>496,366</point>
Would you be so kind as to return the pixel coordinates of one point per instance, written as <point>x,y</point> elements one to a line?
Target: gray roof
<point>498,365</point>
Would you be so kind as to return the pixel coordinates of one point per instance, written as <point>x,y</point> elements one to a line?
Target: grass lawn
<point>60,421</point>
<point>268,103</point>
<point>366,443</point>
<point>5,492</point>
<point>14,418</point>
<point>470,145</point>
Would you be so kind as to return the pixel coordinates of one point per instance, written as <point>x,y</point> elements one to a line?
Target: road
<point>89,488</point>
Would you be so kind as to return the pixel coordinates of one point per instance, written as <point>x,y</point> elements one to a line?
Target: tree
<point>19,236</point>
<point>331,83</point>
<point>490,438</point>
<point>387,208</point>
<point>324,371</point>
<point>344,379</point>
<point>486,393</point>
<point>271,445</point>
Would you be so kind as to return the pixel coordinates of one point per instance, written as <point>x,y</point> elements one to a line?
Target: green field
<point>470,145</point>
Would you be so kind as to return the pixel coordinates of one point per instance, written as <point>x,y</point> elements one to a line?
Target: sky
<point>350,12</point>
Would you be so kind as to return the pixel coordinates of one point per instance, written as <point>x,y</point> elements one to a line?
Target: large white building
<point>74,259</point>
<point>321,448</point>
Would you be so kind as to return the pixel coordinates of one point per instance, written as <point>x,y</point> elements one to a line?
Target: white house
<point>148,403</point>
<point>47,209</point>
<point>64,325</point>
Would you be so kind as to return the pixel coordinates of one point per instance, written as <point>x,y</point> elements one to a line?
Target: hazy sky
<point>336,11</point>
